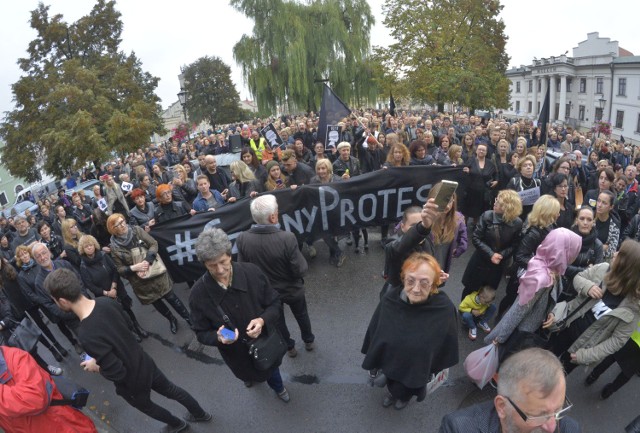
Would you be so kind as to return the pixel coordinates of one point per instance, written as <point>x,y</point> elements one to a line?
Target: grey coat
<point>149,290</point>
<point>607,335</point>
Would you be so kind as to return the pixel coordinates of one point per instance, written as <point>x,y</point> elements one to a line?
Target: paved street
<point>327,386</point>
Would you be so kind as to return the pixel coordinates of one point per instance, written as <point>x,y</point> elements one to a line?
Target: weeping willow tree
<point>295,45</point>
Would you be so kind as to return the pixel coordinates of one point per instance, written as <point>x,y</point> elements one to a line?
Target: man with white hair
<point>531,399</point>
<point>276,253</point>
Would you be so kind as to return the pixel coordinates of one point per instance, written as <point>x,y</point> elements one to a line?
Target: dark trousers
<point>64,328</point>
<point>298,307</point>
<point>275,381</point>
<point>163,386</point>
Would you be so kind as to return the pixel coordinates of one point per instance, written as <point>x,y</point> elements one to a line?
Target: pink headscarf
<point>558,250</point>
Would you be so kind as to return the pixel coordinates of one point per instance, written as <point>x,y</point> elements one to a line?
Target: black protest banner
<point>333,136</point>
<point>309,211</point>
<point>269,132</point>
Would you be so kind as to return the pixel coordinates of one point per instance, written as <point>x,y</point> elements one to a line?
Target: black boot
<point>177,305</point>
<point>61,349</point>
<point>137,329</point>
<point>173,324</point>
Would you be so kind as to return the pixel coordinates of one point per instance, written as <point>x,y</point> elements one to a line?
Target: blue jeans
<point>470,320</point>
<point>275,381</point>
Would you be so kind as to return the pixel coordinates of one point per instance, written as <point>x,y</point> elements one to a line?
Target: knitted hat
<point>271,164</point>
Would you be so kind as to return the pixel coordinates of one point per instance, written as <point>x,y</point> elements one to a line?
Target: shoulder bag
<point>25,335</point>
<point>139,253</point>
<point>267,350</point>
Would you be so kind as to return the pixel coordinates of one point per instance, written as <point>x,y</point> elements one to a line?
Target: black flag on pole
<point>392,105</point>
<point>543,118</point>
<point>332,110</point>
<point>621,139</point>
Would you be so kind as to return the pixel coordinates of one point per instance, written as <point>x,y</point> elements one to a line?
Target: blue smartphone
<point>228,334</point>
<point>86,357</point>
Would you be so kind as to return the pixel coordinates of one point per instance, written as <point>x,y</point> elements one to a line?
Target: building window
<point>619,118</point>
<point>557,84</point>
<point>583,85</point>
<point>598,114</point>
<point>638,125</point>
<point>539,86</point>
<point>622,87</point>
<point>599,85</point>
<point>517,86</point>
<point>530,86</point>
<point>538,108</point>
<point>569,81</point>
<point>580,112</point>
<point>3,199</point>
<point>567,110</point>
<point>517,106</point>
<point>530,107</point>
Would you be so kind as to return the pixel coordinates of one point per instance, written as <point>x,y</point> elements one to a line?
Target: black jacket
<point>166,212</point>
<point>493,235</point>
<point>41,297</point>
<point>276,252</point>
<point>340,167</point>
<point>532,237</point>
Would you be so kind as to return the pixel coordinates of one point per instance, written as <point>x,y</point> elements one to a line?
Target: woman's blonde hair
<point>405,154</point>
<point>182,172</point>
<point>452,153</point>
<point>327,165</point>
<point>20,249</point>
<point>87,240</point>
<point>511,204</point>
<point>545,212</point>
<point>241,171</point>
<point>66,232</point>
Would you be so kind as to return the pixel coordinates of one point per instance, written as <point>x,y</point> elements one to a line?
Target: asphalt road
<point>329,391</point>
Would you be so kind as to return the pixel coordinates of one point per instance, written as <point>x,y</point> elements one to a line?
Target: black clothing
<point>410,342</point>
<point>55,245</point>
<point>99,273</point>
<point>491,235</point>
<point>165,212</point>
<point>41,297</point>
<point>479,193</point>
<point>340,167</point>
<point>248,296</point>
<point>301,175</point>
<point>591,253</point>
<point>123,362</point>
<point>416,239</point>
<point>219,180</point>
<point>83,218</point>
<point>29,238</point>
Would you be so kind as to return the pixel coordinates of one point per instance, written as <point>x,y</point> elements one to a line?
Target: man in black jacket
<point>276,252</point>
<point>116,355</point>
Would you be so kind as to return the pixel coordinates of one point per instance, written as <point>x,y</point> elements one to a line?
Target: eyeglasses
<point>564,167</point>
<point>120,224</point>
<point>539,420</point>
<point>423,284</point>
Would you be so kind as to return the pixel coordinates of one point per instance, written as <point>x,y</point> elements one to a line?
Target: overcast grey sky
<point>167,34</point>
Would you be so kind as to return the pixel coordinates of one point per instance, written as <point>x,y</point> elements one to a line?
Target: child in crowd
<point>477,308</point>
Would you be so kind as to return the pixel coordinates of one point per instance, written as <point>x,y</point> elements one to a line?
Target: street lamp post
<point>182,97</point>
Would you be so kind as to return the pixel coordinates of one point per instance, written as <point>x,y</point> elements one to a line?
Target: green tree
<point>295,44</point>
<point>448,51</point>
<point>212,96</point>
<point>80,99</point>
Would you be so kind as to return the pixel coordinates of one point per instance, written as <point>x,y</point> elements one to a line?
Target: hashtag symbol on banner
<point>182,249</point>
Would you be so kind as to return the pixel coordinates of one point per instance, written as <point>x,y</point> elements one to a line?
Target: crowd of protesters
<point>563,231</point>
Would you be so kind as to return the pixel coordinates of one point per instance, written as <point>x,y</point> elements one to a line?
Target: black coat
<point>591,253</point>
<point>248,297</point>
<point>276,252</point>
<point>416,239</point>
<point>410,342</point>
<point>41,297</point>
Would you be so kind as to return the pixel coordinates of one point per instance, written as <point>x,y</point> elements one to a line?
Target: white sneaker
<point>54,371</point>
<point>473,334</point>
<point>312,251</point>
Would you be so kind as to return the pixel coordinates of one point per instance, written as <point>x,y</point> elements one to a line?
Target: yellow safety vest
<point>636,335</point>
<point>259,148</point>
